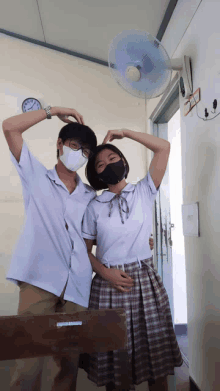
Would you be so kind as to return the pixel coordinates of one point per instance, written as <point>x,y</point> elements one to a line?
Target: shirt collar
<point>108,195</point>
<point>82,187</point>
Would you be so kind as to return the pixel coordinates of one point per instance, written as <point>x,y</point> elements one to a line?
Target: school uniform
<point>50,263</point>
<point>51,252</point>
<point>121,225</point>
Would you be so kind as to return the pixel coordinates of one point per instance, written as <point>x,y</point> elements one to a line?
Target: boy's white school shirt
<point>47,255</point>
<point>119,243</point>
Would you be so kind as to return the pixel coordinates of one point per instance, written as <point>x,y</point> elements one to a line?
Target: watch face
<point>31,104</point>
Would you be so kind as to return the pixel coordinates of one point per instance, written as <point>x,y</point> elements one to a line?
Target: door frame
<point>158,124</point>
<point>158,121</point>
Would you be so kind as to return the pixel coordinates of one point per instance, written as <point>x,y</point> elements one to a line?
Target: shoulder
<point>28,165</point>
<point>147,185</point>
<point>91,212</point>
<point>29,156</point>
<point>91,193</point>
<point>92,203</point>
<point>90,189</point>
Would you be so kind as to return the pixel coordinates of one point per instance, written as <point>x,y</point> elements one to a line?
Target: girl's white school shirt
<point>119,243</point>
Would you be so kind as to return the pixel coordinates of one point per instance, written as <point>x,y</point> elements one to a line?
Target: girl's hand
<point>63,114</point>
<point>114,134</point>
<point>118,278</point>
<point>121,288</point>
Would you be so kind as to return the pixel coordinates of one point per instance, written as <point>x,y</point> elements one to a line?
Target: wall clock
<point>31,104</point>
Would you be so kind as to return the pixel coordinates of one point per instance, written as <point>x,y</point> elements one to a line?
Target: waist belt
<point>126,261</point>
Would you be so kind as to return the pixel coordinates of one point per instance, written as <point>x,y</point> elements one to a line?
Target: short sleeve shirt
<point>117,242</point>
<point>50,251</point>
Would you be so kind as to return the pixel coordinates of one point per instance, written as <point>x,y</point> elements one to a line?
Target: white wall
<point>194,31</point>
<point>62,80</point>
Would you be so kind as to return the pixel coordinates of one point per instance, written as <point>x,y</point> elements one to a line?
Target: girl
<point>120,221</point>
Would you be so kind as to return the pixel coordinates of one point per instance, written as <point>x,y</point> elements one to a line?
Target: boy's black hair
<point>91,173</point>
<point>81,133</point>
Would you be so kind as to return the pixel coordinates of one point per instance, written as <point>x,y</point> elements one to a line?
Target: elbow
<point>5,126</point>
<point>167,147</point>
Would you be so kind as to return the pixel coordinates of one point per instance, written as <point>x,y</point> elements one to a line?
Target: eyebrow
<point>112,153</point>
<point>86,146</point>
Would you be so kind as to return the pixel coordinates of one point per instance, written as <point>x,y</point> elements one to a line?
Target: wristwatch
<point>47,109</point>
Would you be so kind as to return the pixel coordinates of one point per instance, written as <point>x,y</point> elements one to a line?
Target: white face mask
<point>73,160</point>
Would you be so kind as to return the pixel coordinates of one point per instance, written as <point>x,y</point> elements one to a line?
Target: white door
<point>169,244</point>
<point>163,226</point>
<point>168,220</point>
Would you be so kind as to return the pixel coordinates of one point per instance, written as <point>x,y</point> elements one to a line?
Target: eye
<point>73,145</point>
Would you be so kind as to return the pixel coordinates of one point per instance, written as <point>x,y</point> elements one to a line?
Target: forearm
<point>22,122</point>
<point>97,266</point>
<point>154,143</point>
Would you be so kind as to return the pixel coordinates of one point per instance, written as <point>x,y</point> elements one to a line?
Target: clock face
<point>31,104</point>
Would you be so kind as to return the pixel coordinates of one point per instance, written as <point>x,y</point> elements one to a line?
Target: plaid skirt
<point>153,350</point>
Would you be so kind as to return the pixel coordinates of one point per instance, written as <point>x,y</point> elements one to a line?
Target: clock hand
<point>31,107</point>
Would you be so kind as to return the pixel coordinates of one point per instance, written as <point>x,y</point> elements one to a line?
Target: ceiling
<point>83,27</point>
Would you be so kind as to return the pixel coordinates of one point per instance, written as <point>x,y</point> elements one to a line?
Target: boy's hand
<point>63,113</point>
<point>151,243</point>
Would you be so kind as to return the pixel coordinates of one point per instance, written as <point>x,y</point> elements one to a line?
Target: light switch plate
<point>190,219</point>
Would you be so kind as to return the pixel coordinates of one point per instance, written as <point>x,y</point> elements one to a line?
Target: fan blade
<point>134,48</point>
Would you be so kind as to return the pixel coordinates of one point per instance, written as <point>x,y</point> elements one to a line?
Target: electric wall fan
<point>141,66</point>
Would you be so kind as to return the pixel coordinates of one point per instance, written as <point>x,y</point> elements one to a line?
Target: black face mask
<point>113,173</point>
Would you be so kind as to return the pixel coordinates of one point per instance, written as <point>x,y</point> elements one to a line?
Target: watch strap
<point>48,112</point>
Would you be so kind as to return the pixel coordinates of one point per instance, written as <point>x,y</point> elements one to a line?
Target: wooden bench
<point>48,335</point>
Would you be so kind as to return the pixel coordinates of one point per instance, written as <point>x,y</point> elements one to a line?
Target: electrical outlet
<point>193,100</point>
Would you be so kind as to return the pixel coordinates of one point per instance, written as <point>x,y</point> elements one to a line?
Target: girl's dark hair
<point>91,173</point>
<point>82,133</point>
